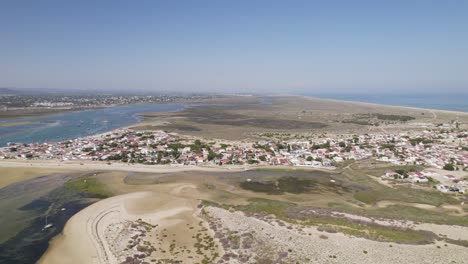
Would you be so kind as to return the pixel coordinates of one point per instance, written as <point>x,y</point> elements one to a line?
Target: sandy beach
<point>129,226</point>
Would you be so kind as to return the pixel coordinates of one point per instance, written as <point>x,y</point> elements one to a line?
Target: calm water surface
<point>71,125</point>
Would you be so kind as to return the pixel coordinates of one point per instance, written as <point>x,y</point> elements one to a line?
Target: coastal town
<point>441,150</point>
<point>11,100</point>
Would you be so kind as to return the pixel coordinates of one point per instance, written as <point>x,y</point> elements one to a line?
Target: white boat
<point>47,225</point>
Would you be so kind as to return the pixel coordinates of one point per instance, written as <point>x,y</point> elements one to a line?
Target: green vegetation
<point>282,185</point>
<point>325,145</point>
<point>463,243</point>
<point>415,141</point>
<point>371,231</point>
<point>335,224</point>
<point>373,119</point>
<point>404,171</point>
<point>265,147</point>
<point>404,194</point>
<point>275,135</point>
<point>260,205</point>
<point>358,122</point>
<point>272,169</point>
<point>212,155</point>
<point>268,187</point>
<point>407,213</point>
<point>374,191</point>
<point>89,186</point>
<point>388,146</point>
<point>401,118</point>
<point>449,166</point>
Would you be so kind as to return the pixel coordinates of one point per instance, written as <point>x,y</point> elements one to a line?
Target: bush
<point>449,167</point>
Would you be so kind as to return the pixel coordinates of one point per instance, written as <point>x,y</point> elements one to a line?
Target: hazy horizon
<point>236,47</point>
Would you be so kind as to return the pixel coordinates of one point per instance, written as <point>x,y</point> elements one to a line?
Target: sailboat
<point>47,225</point>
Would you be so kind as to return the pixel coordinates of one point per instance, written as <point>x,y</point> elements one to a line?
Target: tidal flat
<point>26,205</point>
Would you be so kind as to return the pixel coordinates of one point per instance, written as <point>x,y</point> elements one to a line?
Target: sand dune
<point>99,233</point>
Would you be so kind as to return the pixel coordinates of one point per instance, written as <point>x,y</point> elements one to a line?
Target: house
<point>419,179</point>
<point>442,188</point>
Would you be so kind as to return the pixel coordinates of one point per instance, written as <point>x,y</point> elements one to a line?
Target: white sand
<point>83,239</point>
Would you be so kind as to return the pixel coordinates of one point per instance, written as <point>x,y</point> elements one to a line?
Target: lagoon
<point>71,125</point>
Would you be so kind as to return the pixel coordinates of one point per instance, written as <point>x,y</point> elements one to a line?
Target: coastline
<point>86,165</point>
<point>99,230</point>
<point>383,105</point>
<point>41,112</point>
<point>118,166</point>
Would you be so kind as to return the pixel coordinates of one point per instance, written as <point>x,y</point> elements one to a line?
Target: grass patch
<point>375,191</point>
<point>463,243</point>
<point>294,185</point>
<point>89,186</point>
<point>332,224</point>
<point>406,213</point>
<point>368,197</point>
<point>260,205</point>
<point>267,187</point>
<point>381,170</point>
<point>372,231</point>
<point>405,195</point>
<point>282,185</point>
<point>279,169</point>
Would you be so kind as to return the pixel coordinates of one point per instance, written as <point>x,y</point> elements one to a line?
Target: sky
<point>240,46</point>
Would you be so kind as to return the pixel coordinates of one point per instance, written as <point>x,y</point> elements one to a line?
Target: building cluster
<point>436,149</point>
<point>443,182</point>
<point>19,102</point>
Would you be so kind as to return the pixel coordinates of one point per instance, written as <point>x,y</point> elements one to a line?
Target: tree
<point>310,158</point>
<point>211,155</point>
<point>449,166</point>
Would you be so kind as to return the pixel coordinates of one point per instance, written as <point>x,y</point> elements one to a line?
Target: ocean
<point>440,101</point>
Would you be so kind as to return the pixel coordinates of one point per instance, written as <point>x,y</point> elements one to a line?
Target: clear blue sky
<point>236,46</point>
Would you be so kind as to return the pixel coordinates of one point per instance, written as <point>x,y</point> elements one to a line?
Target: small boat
<point>47,225</point>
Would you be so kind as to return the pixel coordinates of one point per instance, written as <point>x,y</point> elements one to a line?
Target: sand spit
<point>249,239</point>
<point>115,166</point>
<point>142,227</point>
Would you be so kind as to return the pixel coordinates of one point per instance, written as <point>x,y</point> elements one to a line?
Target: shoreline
<point>101,230</point>
<point>31,113</point>
<point>384,105</point>
<point>24,113</point>
<point>142,117</point>
<point>57,243</point>
<point>118,166</point>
